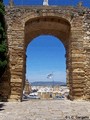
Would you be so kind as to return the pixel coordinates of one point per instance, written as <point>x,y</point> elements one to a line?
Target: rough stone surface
<point>45,110</point>
<point>27,88</point>
<point>70,24</point>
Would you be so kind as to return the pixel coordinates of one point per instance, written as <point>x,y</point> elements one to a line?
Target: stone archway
<point>26,23</point>
<point>50,25</point>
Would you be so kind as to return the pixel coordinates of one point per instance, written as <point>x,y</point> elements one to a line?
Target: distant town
<point>45,90</point>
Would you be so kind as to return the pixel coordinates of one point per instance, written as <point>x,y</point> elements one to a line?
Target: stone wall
<point>69,24</point>
<point>27,88</point>
<point>86,42</point>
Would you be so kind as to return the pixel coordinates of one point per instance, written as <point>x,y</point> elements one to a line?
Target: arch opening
<point>51,26</point>
<point>43,49</point>
<point>46,56</point>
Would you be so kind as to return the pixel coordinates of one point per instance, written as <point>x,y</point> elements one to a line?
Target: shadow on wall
<point>5,86</point>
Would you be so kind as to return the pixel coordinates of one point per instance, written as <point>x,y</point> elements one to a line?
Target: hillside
<point>39,83</point>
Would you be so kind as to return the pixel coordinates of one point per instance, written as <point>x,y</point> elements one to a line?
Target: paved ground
<point>45,110</point>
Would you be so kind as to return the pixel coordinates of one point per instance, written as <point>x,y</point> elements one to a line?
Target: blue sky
<point>46,54</point>
<point>51,2</point>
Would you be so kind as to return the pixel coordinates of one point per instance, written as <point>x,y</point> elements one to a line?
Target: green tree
<point>3,47</point>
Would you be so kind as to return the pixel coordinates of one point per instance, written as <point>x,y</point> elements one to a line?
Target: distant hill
<point>48,83</point>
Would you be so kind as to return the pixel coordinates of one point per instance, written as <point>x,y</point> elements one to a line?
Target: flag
<point>50,76</point>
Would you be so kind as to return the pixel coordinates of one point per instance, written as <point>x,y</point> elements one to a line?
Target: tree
<point>3,46</point>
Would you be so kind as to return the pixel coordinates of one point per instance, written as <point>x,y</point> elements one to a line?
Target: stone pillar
<point>69,67</point>
<point>86,42</point>
<point>87,78</point>
<point>77,72</point>
<point>68,61</point>
<point>27,88</point>
<point>16,63</point>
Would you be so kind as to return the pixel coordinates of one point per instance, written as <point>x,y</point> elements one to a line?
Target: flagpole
<point>53,80</point>
<point>51,76</point>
